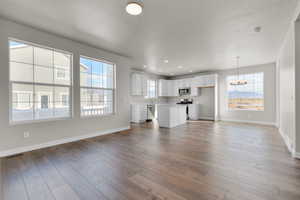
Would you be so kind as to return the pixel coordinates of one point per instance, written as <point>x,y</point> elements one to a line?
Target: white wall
<point>12,136</point>
<point>268,116</point>
<point>1,180</point>
<point>297,87</point>
<point>286,70</point>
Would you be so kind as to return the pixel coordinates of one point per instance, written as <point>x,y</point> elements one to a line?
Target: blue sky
<point>94,67</point>
<point>13,43</point>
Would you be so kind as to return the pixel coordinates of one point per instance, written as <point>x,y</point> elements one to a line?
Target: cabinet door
<point>179,83</point>
<point>194,91</point>
<point>143,113</point>
<point>211,80</point>
<point>143,83</point>
<point>135,85</point>
<point>163,88</point>
<point>175,88</point>
<point>171,88</point>
<point>188,82</point>
<point>198,81</point>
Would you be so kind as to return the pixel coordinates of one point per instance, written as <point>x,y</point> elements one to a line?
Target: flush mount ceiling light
<point>134,8</point>
<point>257,29</point>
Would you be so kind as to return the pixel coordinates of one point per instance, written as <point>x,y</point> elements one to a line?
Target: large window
<point>97,87</point>
<point>36,90</point>
<point>249,96</point>
<point>151,89</point>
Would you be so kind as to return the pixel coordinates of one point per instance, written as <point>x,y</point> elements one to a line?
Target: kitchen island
<point>170,115</point>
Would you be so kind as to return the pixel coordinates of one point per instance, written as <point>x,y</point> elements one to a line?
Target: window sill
<point>97,116</point>
<point>231,110</point>
<point>12,123</point>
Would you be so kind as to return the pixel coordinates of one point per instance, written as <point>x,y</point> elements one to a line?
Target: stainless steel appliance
<point>184,91</point>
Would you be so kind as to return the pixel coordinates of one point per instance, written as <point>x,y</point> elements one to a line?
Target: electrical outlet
<point>26,134</point>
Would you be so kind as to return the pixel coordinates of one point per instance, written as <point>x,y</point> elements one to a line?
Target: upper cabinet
<point>163,88</point>
<point>205,81</point>
<point>167,88</point>
<point>138,84</point>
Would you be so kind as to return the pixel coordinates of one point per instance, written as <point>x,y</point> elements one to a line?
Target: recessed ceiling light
<point>179,67</point>
<point>145,66</point>
<point>166,61</point>
<point>191,71</point>
<point>134,8</point>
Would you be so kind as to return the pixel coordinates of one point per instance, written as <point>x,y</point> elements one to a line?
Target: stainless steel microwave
<point>184,91</point>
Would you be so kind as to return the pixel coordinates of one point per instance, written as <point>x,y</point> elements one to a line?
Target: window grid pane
<point>249,96</point>
<point>97,87</point>
<point>151,89</point>
<point>36,68</point>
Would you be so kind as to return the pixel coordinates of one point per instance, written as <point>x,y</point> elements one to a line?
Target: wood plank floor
<point>199,160</point>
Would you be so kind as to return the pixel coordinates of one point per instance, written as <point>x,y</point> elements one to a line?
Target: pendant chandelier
<point>238,81</point>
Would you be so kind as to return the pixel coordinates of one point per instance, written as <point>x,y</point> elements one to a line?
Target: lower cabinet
<point>138,113</point>
<point>171,115</point>
<point>194,111</point>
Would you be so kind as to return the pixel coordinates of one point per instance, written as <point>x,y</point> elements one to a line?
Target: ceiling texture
<point>193,35</point>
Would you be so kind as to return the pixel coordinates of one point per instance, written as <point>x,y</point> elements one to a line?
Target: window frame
<point>240,109</point>
<point>148,89</point>
<point>113,89</point>
<point>33,84</point>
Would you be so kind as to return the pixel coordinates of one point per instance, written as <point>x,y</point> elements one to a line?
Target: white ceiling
<point>198,35</point>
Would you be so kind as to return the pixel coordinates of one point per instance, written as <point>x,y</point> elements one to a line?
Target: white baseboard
<point>206,118</point>
<point>58,142</point>
<point>287,142</point>
<point>249,122</point>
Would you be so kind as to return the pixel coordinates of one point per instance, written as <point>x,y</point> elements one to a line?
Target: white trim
<point>207,118</point>
<point>287,142</point>
<point>58,142</point>
<point>249,122</point>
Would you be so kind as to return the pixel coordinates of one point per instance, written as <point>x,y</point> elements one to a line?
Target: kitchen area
<point>173,102</point>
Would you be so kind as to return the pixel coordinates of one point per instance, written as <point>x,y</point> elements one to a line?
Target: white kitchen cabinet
<point>175,88</point>
<point>194,111</point>
<point>163,88</point>
<point>138,113</point>
<point>138,84</point>
<point>194,91</point>
<point>171,115</point>
<point>172,88</point>
<point>205,81</point>
<point>167,88</point>
<point>184,83</point>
